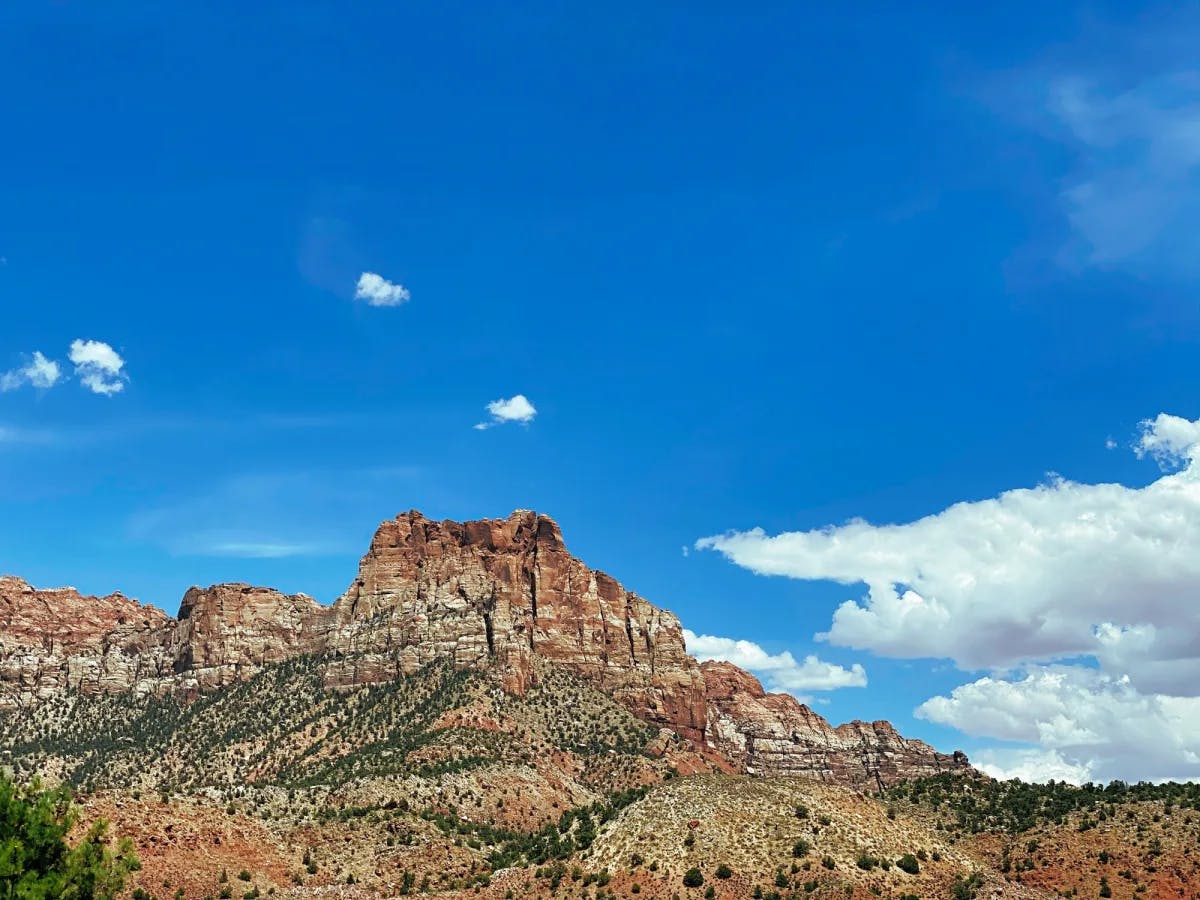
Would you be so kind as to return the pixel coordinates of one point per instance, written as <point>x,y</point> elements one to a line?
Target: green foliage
<point>866,862</point>
<point>1013,806</point>
<point>285,726</point>
<point>693,877</point>
<point>575,831</point>
<point>37,863</point>
<point>723,872</point>
<point>966,888</point>
<point>908,863</point>
<point>800,848</point>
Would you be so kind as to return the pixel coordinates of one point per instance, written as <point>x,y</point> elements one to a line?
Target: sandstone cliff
<point>508,590</point>
<point>56,640</point>
<point>775,734</point>
<point>500,592</point>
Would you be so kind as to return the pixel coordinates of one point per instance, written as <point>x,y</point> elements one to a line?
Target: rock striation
<point>505,593</point>
<point>775,734</point>
<point>52,641</point>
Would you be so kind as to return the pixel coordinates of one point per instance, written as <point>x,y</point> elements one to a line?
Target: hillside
<point>502,595</point>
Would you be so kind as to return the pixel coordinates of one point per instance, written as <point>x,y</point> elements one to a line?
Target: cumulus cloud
<point>39,372</point>
<point>1098,723</point>
<point>515,409</point>
<point>780,671</point>
<point>98,367</point>
<point>1032,765</point>
<point>378,291</point>
<point>1035,576</point>
<point>1170,440</point>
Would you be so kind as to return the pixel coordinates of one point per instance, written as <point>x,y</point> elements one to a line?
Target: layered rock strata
<point>498,592</point>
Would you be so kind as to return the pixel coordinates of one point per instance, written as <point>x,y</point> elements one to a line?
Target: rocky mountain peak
<point>501,593</point>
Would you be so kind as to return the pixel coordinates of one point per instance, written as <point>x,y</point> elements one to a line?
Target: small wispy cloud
<point>378,291</point>
<point>514,409</point>
<point>13,435</point>
<point>98,367</point>
<point>39,372</point>
<point>274,515</point>
<point>251,549</point>
<point>1135,184</point>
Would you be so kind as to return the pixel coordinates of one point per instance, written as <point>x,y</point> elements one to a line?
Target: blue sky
<point>779,269</point>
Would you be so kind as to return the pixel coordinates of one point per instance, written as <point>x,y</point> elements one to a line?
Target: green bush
<point>723,871</point>
<point>966,888</point>
<point>800,848</point>
<point>36,860</point>
<point>693,878</point>
<point>908,863</point>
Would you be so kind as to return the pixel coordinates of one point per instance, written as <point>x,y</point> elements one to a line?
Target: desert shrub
<point>908,863</point>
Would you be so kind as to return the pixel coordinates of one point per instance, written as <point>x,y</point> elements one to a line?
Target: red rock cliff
<point>497,592</point>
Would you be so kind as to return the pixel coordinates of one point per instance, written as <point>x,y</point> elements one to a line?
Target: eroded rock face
<point>501,592</point>
<point>775,734</point>
<point>56,640</point>
<point>227,632</point>
<point>507,590</point>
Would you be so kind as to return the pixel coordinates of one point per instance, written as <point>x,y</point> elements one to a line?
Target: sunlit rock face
<point>503,593</point>
<point>775,734</point>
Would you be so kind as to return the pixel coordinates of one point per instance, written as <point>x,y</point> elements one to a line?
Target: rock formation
<point>53,641</point>
<point>508,590</point>
<point>500,592</point>
<point>775,734</point>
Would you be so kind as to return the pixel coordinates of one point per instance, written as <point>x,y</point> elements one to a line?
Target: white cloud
<point>1098,723</point>
<point>1170,440</point>
<point>98,366</point>
<point>1032,765</point>
<point>1029,576</point>
<point>780,671</point>
<point>1035,576</point>
<point>378,291</point>
<point>39,372</point>
<point>515,409</point>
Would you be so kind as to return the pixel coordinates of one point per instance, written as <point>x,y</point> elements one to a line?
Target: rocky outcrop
<point>227,632</point>
<point>52,641</point>
<point>775,734</point>
<point>507,590</point>
<point>500,592</point>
